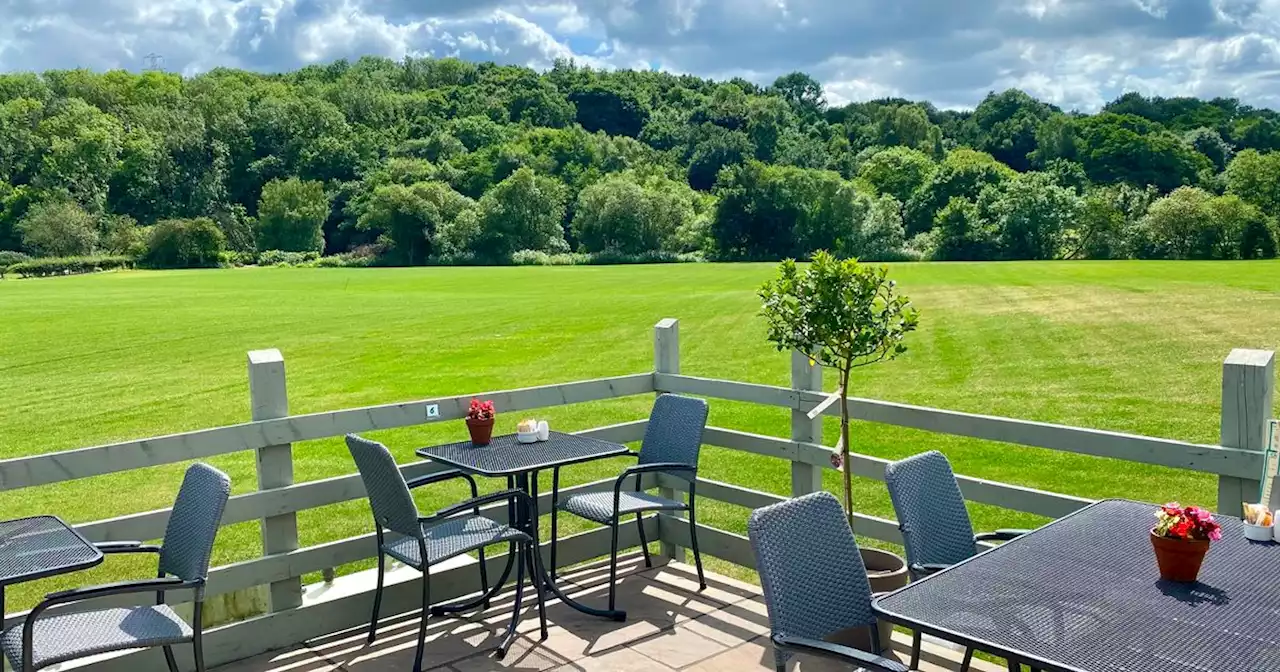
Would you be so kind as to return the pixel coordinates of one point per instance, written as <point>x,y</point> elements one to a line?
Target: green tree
<point>412,216</point>
<point>1191,223</point>
<point>1255,177</point>
<point>1208,142</point>
<point>717,149</point>
<point>626,214</point>
<point>58,229</point>
<point>290,216</point>
<point>612,110</point>
<point>1006,126</point>
<point>1030,215</point>
<point>844,316</point>
<point>961,234</point>
<point>523,212</point>
<point>962,174</point>
<point>898,172</point>
<point>803,92</point>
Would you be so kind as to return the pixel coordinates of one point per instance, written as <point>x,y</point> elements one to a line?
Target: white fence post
<point>1248,390</point>
<point>275,468</point>
<point>666,359</point>
<point>805,478</point>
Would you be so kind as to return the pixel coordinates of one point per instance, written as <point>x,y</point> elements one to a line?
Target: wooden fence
<point>1247,395</point>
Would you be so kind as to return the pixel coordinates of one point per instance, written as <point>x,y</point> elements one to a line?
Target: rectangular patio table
<point>39,547</point>
<point>1082,594</point>
<point>520,463</point>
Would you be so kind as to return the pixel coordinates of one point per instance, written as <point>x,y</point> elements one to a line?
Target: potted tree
<point>845,316</point>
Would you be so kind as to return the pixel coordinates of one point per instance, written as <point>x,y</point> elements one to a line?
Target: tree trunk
<point>844,446</point>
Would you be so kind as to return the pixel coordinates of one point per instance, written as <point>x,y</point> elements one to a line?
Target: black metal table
<point>39,547</point>
<point>1082,594</point>
<point>520,463</point>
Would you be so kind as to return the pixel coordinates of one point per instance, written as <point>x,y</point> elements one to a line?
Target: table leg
<point>530,485</point>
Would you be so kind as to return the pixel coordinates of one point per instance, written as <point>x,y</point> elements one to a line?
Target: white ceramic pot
<point>1258,532</point>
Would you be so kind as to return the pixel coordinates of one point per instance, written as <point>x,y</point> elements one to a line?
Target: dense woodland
<point>444,161</point>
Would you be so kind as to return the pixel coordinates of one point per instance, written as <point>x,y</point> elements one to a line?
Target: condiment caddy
<point>532,431</point>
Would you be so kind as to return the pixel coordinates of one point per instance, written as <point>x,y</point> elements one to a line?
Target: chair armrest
<point>519,497</point>
<point>1000,535</point>
<point>107,547</point>
<point>857,658</point>
<point>441,476</point>
<point>117,588</point>
<point>638,469</point>
<point>927,568</point>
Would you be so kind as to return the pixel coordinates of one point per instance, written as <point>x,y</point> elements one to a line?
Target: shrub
<point>59,229</point>
<point>67,265</point>
<point>347,260</point>
<point>282,258</point>
<point>121,235</point>
<point>185,243</point>
<point>10,257</point>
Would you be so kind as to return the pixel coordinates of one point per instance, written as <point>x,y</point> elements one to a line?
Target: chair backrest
<point>674,433</point>
<point>935,525</point>
<point>193,524</point>
<point>393,506</point>
<point>815,583</point>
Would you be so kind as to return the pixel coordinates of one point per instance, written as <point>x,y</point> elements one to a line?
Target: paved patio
<point>670,626</point>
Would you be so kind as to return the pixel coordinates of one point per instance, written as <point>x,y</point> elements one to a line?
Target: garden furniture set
<point>1077,595</point>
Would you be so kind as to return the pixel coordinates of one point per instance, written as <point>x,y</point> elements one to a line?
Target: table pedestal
<point>527,522</point>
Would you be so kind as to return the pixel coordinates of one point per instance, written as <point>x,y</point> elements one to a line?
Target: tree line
<point>442,161</point>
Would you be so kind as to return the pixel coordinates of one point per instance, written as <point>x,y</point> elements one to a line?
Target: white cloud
<point>1075,53</point>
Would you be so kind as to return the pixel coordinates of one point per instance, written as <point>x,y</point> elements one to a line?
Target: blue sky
<point>1075,53</point>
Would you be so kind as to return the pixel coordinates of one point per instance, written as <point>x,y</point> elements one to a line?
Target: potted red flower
<point>480,422</point>
<point>1181,538</point>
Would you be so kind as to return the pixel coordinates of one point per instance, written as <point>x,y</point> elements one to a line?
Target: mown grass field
<point>1128,346</point>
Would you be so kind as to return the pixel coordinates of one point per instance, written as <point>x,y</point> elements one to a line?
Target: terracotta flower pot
<point>481,431</point>
<point>1179,559</point>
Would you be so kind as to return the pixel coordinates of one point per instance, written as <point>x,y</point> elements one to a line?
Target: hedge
<point>67,265</point>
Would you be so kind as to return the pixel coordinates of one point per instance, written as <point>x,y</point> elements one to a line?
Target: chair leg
<point>915,649</point>
<point>644,541</point>
<point>426,612</point>
<point>197,635</point>
<point>169,660</point>
<point>1014,666</point>
<point>693,540</point>
<point>968,659</point>
<point>613,564</point>
<point>484,580</point>
<point>377,599</point>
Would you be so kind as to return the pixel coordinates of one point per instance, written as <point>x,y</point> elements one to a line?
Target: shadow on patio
<point>670,626</point>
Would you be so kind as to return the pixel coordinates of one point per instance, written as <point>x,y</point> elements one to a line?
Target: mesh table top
<point>1083,593</point>
<point>33,548</point>
<point>505,456</point>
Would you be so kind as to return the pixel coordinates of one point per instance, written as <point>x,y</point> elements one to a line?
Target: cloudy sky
<point>1076,53</point>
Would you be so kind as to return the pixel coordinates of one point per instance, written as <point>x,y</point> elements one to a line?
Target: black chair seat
<point>598,506</point>
<point>452,538</point>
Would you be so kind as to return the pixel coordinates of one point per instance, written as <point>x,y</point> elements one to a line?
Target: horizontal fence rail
<point>24,472</point>
<point>1100,443</point>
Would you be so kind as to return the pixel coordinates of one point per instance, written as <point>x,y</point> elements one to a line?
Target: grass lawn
<point>1128,346</point>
